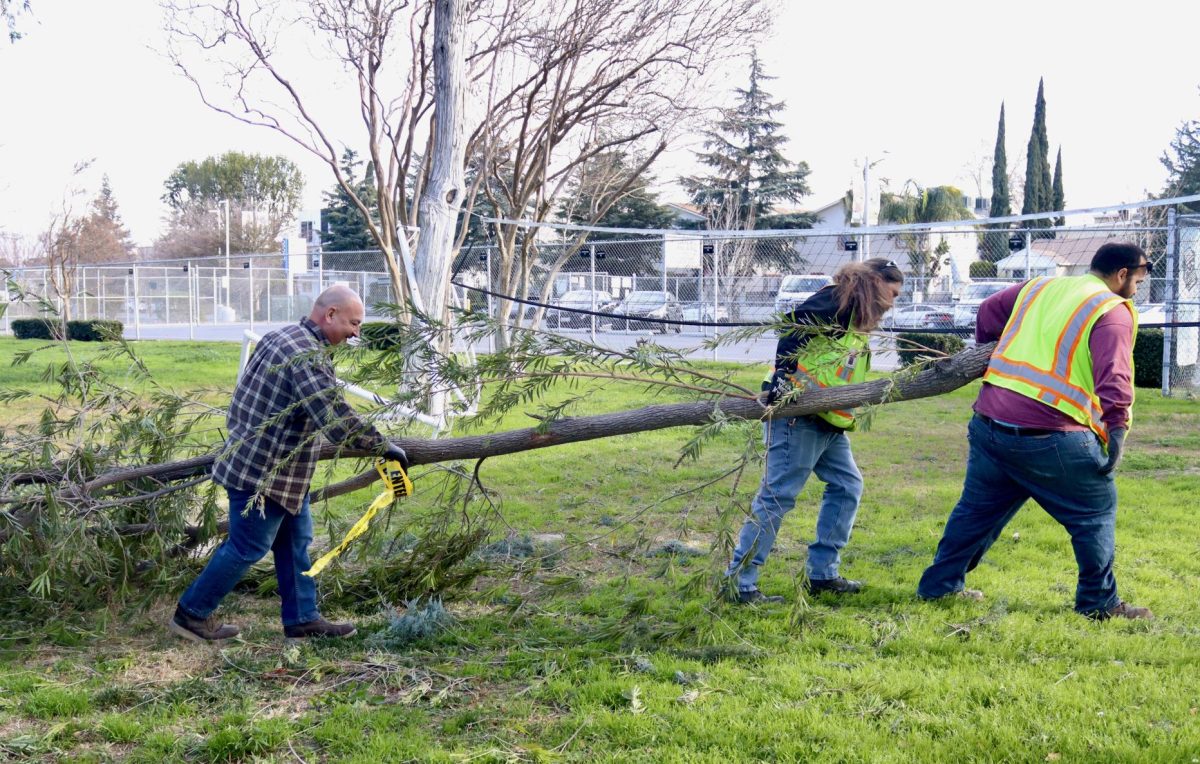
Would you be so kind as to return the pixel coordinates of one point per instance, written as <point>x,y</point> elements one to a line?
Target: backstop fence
<point>699,280</point>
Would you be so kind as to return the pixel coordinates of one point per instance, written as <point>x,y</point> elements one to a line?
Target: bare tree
<point>59,242</point>
<point>550,79</point>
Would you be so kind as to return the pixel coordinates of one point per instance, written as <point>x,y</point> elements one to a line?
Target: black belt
<point>1012,429</point>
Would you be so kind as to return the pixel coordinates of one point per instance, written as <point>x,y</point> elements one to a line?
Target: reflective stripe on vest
<point>1055,367</point>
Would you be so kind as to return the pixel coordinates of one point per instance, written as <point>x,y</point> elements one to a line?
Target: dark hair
<point>860,290</point>
<point>1115,255</point>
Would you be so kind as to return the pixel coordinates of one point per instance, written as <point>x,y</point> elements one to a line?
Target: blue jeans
<point>266,527</point>
<point>1059,471</point>
<point>796,448</point>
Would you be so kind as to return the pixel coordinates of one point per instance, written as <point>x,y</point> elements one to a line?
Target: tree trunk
<point>443,196</point>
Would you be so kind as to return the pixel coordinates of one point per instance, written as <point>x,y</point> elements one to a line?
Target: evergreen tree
<point>1058,199</point>
<point>1182,160</point>
<point>101,237</point>
<point>745,150</point>
<point>1001,204</point>
<point>343,226</point>
<point>994,245</point>
<point>1039,192</point>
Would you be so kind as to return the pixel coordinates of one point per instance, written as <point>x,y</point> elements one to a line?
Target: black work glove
<point>1116,447</point>
<point>395,452</point>
<point>781,385</point>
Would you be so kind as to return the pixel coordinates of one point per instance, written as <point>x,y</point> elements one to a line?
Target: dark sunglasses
<point>1149,266</point>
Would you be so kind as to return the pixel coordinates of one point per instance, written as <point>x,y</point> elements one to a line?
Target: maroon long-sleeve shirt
<point>1111,345</point>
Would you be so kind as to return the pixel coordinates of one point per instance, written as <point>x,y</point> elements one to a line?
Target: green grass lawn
<point>608,652</point>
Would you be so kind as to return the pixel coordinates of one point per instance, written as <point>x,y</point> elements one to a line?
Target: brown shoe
<point>1123,610</point>
<point>201,629</point>
<point>319,628</point>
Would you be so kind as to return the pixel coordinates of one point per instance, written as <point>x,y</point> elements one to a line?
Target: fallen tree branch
<point>942,376</point>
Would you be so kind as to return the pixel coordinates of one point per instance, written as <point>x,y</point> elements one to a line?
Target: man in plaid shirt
<point>285,403</point>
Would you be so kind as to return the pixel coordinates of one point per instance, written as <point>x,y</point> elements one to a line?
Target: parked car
<point>966,306</point>
<point>695,311</point>
<point>578,299</point>
<point>651,305</point>
<point>796,288</point>
<point>920,316</point>
<point>965,315</point>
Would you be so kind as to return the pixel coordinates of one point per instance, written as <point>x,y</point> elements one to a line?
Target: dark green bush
<point>380,335</point>
<point>36,328</point>
<point>982,269</point>
<point>95,330</point>
<point>1147,358</point>
<point>910,353</point>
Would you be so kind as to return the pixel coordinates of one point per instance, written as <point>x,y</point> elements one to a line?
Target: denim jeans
<point>1059,471</point>
<point>266,527</point>
<point>796,448</point>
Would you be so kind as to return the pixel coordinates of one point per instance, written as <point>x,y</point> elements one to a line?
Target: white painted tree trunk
<point>443,196</point>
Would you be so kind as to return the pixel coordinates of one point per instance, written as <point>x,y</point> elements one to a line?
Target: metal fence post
<point>592,289</point>
<point>716,296</point>
<point>193,313</point>
<point>1171,297</point>
<point>251,297</point>
<point>137,307</point>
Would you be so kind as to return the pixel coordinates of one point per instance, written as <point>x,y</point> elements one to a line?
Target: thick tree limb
<point>941,377</point>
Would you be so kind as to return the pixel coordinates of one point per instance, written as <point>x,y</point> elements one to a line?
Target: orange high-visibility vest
<point>1043,352</point>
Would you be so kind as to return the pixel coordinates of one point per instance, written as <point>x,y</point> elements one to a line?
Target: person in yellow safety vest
<point>1050,424</point>
<point>825,345</point>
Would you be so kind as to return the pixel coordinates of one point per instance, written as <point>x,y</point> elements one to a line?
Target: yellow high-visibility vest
<point>831,359</point>
<point>1043,353</point>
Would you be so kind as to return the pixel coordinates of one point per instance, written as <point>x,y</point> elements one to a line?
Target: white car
<point>920,316</point>
<point>796,288</point>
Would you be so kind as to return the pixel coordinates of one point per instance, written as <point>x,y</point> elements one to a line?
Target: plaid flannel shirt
<point>285,399</point>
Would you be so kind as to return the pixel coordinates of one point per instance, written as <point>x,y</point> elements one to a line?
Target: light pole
<point>866,215</point>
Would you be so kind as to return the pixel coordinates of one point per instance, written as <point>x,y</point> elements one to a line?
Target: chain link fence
<point>628,284</point>
<point>1181,344</point>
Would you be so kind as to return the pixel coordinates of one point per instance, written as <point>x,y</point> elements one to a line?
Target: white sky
<point>859,78</point>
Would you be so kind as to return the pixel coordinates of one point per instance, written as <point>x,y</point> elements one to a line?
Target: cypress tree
<point>1038,184</point>
<point>1001,205</point>
<point>1058,201</point>
<point>993,246</point>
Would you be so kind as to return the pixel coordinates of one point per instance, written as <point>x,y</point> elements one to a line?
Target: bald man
<point>286,397</point>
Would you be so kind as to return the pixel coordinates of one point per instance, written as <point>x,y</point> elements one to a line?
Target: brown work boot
<point>201,629</point>
<point>319,628</point>
<point>1124,610</point>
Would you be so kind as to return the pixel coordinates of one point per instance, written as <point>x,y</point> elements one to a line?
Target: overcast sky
<point>859,79</point>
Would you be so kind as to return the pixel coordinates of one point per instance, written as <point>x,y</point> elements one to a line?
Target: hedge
<point>94,330</point>
<point>907,344</point>
<point>1147,358</point>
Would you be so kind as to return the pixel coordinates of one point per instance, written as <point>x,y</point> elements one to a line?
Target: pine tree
<point>1182,160</point>
<point>1038,184</point>
<point>1058,200</point>
<point>343,227</point>
<point>101,237</point>
<point>751,174</point>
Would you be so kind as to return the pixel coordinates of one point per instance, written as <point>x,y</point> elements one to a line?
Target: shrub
<point>36,328</point>
<point>1147,358</point>
<point>982,269</point>
<point>95,330</point>
<point>381,335</point>
<point>912,346</point>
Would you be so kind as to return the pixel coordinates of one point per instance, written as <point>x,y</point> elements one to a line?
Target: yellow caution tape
<point>398,486</point>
